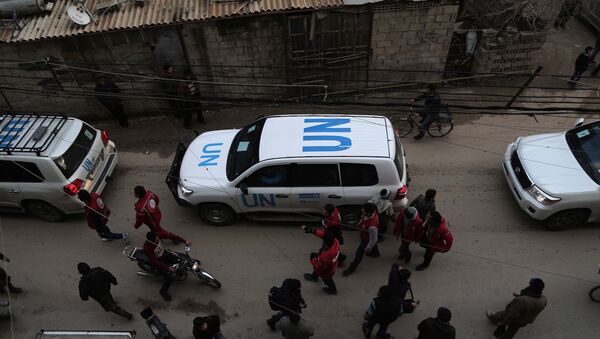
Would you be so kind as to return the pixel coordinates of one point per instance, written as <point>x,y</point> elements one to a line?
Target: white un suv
<point>555,177</point>
<point>46,159</point>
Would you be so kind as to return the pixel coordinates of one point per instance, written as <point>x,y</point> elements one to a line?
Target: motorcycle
<point>184,264</point>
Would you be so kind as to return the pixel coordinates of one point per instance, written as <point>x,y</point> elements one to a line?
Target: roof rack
<point>29,131</point>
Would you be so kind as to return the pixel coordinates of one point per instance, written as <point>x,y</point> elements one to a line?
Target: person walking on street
<point>287,300</point>
<point>383,310</point>
<point>147,212</point>
<point>96,214</point>
<point>332,222</point>
<point>398,281</point>
<point>385,211</point>
<point>581,65</point>
<point>437,328</point>
<point>425,204</point>
<point>522,310</point>
<point>436,238</point>
<point>95,283</point>
<point>5,281</point>
<point>324,263</point>
<point>208,327</point>
<point>112,102</point>
<point>431,110</point>
<point>369,232</point>
<point>295,327</point>
<point>192,104</point>
<point>409,228</point>
<point>161,260</point>
<point>567,10</point>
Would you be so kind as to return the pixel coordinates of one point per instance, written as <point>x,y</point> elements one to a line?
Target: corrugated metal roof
<point>57,24</point>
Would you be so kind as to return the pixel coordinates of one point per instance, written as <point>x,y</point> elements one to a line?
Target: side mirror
<point>579,122</point>
<point>244,187</point>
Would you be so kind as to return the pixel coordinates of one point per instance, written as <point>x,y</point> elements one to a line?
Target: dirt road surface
<point>497,249</point>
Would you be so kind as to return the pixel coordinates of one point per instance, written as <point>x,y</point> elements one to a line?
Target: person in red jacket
<point>161,260</point>
<point>96,214</point>
<point>409,227</point>
<point>147,212</point>
<point>369,229</point>
<point>324,263</point>
<point>436,238</point>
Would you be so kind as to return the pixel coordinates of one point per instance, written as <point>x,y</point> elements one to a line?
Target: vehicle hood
<point>551,165</point>
<point>205,160</point>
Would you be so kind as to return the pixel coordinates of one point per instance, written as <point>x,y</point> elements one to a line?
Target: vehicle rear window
<point>70,161</point>
<point>359,175</point>
<point>19,171</point>
<point>399,158</point>
<point>315,175</point>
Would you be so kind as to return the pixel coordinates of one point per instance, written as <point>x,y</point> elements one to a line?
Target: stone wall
<point>413,38</point>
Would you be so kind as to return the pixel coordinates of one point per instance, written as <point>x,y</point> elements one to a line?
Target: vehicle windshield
<point>244,149</point>
<point>584,142</point>
<point>70,161</point>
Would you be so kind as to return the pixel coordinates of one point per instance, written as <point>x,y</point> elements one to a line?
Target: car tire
<point>217,214</point>
<point>350,217</point>
<point>566,219</point>
<point>44,211</point>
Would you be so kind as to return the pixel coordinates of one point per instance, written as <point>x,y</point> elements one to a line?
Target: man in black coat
<point>383,310</point>
<point>208,327</point>
<point>112,101</point>
<point>581,65</point>
<point>5,283</point>
<point>95,282</point>
<point>437,328</point>
<point>289,300</point>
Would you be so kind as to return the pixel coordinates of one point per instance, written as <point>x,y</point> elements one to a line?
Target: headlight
<point>185,191</point>
<point>541,196</point>
<point>196,266</point>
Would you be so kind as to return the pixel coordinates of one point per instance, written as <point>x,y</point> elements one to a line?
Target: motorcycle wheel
<point>207,278</point>
<point>595,294</point>
<point>178,276</point>
<point>145,267</point>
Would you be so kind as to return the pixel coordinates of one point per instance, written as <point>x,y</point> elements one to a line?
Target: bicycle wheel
<point>402,126</point>
<point>595,294</point>
<point>438,129</point>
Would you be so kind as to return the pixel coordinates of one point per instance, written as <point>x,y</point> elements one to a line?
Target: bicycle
<point>441,126</point>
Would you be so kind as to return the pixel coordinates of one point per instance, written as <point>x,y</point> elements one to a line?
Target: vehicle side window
<point>359,175</point>
<point>19,171</point>
<point>315,175</point>
<point>270,176</point>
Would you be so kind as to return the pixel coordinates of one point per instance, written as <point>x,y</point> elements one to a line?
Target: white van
<point>46,159</point>
<point>292,164</point>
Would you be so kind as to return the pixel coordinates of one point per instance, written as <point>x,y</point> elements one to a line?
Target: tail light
<point>401,194</point>
<point>73,187</point>
<point>104,137</point>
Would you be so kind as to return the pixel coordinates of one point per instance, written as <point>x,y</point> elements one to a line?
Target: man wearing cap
<point>409,227</point>
<point>439,327</point>
<point>522,310</point>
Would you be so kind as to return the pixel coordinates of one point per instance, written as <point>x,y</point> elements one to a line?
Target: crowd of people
<point>419,222</point>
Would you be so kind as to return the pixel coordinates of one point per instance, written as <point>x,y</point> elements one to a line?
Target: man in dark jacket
<point>95,282</point>
<point>581,65</point>
<point>383,310</point>
<point>398,281</point>
<point>208,327</point>
<point>289,300</point>
<point>522,310</point>
<point>437,328</point>
<point>112,100</point>
<point>425,204</point>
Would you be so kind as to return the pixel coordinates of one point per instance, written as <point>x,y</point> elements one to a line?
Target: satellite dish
<point>78,15</point>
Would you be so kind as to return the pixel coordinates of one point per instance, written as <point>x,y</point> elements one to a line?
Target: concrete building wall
<point>411,39</point>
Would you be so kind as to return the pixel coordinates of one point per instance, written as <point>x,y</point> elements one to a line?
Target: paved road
<point>496,250</point>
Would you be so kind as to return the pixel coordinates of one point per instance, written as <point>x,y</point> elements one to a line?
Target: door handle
<point>282,196</point>
<point>334,196</point>
<point>12,190</point>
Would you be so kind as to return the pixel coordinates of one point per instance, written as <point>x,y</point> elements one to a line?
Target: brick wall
<point>411,39</point>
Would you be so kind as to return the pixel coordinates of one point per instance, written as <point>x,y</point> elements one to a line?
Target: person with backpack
<point>409,228</point>
<point>383,310</point>
<point>436,238</point>
<point>369,225</point>
<point>287,300</point>
<point>324,263</point>
<point>425,204</point>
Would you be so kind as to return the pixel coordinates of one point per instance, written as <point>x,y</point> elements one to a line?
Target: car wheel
<point>350,217</point>
<point>45,211</point>
<point>566,219</point>
<point>217,214</point>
